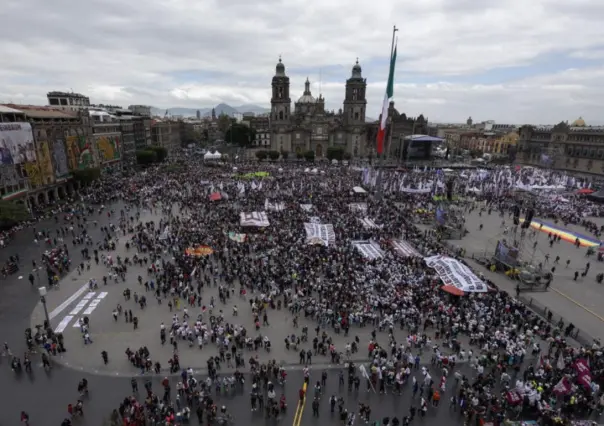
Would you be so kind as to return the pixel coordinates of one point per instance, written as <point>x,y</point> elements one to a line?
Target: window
<point>280,115</point>
<point>356,115</point>
<point>319,130</point>
<point>297,135</point>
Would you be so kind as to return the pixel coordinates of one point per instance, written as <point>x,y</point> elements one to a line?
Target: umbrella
<point>585,191</point>
<point>451,289</point>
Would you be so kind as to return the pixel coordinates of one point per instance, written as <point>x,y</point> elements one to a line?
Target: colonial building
<point>575,147</point>
<point>62,143</point>
<point>309,126</point>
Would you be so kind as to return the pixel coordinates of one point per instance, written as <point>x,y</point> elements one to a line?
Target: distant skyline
<point>511,61</point>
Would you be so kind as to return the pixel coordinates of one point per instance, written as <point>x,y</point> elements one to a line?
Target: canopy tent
<point>217,155</point>
<point>208,156</point>
<point>359,190</point>
<point>423,138</point>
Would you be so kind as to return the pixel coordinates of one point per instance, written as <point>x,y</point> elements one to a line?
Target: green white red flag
<point>387,97</point>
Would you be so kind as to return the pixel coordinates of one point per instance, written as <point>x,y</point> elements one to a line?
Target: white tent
<point>314,170</point>
<point>217,155</point>
<point>208,156</point>
<point>307,170</point>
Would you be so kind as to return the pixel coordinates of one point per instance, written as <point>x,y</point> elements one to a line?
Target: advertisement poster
<point>109,148</point>
<point>47,172</point>
<point>16,143</point>
<point>79,153</point>
<point>33,173</point>
<point>59,158</point>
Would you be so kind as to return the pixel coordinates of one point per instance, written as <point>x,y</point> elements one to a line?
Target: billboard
<point>47,171</point>
<point>79,153</point>
<point>109,148</point>
<point>16,143</point>
<point>59,158</point>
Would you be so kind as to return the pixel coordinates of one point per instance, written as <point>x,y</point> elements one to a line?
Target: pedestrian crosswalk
<point>84,307</point>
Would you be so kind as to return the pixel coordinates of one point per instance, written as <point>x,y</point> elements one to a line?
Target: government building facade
<point>574,147</point>
<point>309,127</point>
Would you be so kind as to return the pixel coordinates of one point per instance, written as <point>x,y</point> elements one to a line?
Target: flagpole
<point>380,189</point>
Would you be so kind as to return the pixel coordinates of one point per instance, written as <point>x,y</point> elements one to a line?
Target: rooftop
<point>7,110</point>
<point>36,111</point>
<point>66,94</point>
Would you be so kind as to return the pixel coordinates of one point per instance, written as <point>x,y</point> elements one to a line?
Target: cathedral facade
<point>309,127</point>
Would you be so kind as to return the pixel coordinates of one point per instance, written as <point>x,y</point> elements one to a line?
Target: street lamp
<point>42,292</point>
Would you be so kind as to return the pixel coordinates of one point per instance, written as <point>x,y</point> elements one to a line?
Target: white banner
<point>276,207</point>
<point>306,207</point>
<point>358,207</point>
<point>258,219</point>
<point>317,233</point>
<point>454,273</point>
<point>314,219</point>
<point>404,249</point>
<point>369,223</point>
<point>369,249</point>
<point>16,143</point>
<point>416,191</point>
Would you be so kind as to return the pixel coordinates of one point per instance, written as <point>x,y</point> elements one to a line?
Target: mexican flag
<point>387,97</point>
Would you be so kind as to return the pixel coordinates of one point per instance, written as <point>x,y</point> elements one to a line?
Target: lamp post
<point>42,292</point>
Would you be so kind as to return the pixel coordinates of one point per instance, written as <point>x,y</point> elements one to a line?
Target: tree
<point>335,153</point>
<point>274,155</point>
<point>261,155</point>
<point>240,134</point>
<point>11,213</point>
<point>284,155</point>
<point>347,156</point>
<point>161,153</point>
<point>86,176</point>
<point>144,157</point>
<point>299,155</point>
<point>310,156</point>
<point>224,122</point>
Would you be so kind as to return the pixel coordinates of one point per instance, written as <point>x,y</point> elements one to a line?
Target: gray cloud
<point>131,52</point>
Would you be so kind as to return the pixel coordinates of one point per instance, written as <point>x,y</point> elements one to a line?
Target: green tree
<point>347,156</point>
<point>161,153</point>
<point>11,213</point>
<point>144,157</point>
<point>205,135</point>
<point>274,155</point>
<point>261,155</point>
<point>86,176</point>
<point>240,134</point>
<point>310,156</point>
<point>224,122</point>
<point>284,154</point>
<point>299,155</point>
<point>335,153</point>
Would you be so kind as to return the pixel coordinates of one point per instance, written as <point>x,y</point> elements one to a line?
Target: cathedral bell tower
<point>280,100</point>
<point>355,102</point>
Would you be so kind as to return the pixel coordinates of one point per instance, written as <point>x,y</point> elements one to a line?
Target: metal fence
<point>580,336</point>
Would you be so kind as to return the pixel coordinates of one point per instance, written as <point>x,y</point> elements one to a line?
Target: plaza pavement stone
<point>116,336</point>
<point>580,302</point>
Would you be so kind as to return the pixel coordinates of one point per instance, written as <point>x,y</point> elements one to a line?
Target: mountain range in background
<point>206,112</point>
<point>220,109</point>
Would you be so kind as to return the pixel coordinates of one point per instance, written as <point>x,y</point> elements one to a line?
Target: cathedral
<point>309,126</point>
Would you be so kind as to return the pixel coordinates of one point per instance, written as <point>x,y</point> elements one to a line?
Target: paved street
<point>581,302</point>
<point>58,388</point>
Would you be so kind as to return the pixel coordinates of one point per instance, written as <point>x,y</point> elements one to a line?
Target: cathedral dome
<point>579,122</point>
<point>307,97</point>
<point>356,70</point>
<point>280,69</point>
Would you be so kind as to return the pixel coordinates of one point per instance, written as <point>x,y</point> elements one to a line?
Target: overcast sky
<point>513,61</point>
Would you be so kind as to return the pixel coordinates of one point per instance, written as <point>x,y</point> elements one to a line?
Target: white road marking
<point>82,303</point>
<point>55,312</point>
<point>63,324</point>
<point>92,306</point>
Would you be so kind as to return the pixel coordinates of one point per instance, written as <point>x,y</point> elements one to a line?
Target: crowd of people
<point>521,366</point>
